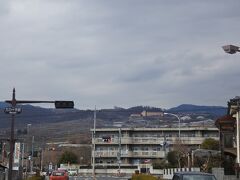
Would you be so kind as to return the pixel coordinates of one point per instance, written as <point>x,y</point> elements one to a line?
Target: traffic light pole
<point>11,147</point>
<point>13,110</point>
<point>12,141</point>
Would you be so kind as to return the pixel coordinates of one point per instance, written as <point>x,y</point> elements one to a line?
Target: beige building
<point>150,113</point>
<point>134,146</point>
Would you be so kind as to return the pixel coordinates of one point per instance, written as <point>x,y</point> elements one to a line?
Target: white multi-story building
<point>133,146</point>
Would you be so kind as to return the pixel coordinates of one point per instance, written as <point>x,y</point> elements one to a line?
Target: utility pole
<point>41,159</point>
<point>94,146</point>
<point>32,153</point>
<point>28,160</point>
<point>23,152</point>
<point>12,110</point>
<point>164,147</point>
<point>119,151</point>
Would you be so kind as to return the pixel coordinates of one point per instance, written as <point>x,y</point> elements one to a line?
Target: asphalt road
<point>98,177</point>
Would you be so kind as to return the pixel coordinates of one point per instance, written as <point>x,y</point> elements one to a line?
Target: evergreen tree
<point>68,157</point>
<point>210,144</point>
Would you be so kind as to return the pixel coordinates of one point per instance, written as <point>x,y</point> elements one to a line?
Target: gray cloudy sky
<point>120,52</point>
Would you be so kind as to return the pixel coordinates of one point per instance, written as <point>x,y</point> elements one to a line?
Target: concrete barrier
<point>168,173</point>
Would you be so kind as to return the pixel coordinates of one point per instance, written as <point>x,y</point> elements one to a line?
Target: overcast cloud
<point>124,53</point>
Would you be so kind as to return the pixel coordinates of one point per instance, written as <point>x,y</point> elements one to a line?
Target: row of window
<point>147,137</point>
<point>115,161</point>
<point>134,149</point>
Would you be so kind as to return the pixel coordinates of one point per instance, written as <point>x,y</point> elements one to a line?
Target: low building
<point>135,115</point>
<point>151,114</point>
<point>135,146</point>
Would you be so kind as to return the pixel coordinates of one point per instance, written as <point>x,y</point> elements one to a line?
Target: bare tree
<point>182,153</point>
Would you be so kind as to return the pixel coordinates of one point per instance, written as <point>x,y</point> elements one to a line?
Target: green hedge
<point>36,178</point>
<point>143,177</point>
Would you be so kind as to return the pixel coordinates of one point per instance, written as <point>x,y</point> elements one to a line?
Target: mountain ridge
<point>215,110</point>
<point>37,115</point>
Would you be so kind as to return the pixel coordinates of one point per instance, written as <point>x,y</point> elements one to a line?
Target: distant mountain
<point>38,115</point>
<point>3,105</point>
<point>189,108</point>
<point>62,123</point>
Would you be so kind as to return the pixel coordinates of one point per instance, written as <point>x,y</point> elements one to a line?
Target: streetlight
<point>179,123</point>
<point>231,49</point>
<point>13,110</point>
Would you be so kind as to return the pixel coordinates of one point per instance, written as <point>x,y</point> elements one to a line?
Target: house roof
<point>227,119</point>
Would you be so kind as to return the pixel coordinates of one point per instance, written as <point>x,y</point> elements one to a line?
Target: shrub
<point>36,178</point>
<point>143,177</point>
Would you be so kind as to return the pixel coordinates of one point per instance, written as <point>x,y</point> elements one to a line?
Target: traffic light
<point>64,104</point>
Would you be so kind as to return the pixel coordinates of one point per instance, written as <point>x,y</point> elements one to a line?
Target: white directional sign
<point>12,110</point>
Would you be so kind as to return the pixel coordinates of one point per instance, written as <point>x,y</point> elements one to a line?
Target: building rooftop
<point>158,129</point>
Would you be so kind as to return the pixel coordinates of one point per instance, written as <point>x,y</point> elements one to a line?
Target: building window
<point>228,140</point>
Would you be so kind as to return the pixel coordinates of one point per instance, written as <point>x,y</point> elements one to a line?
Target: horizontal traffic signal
<point>64,104</point>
